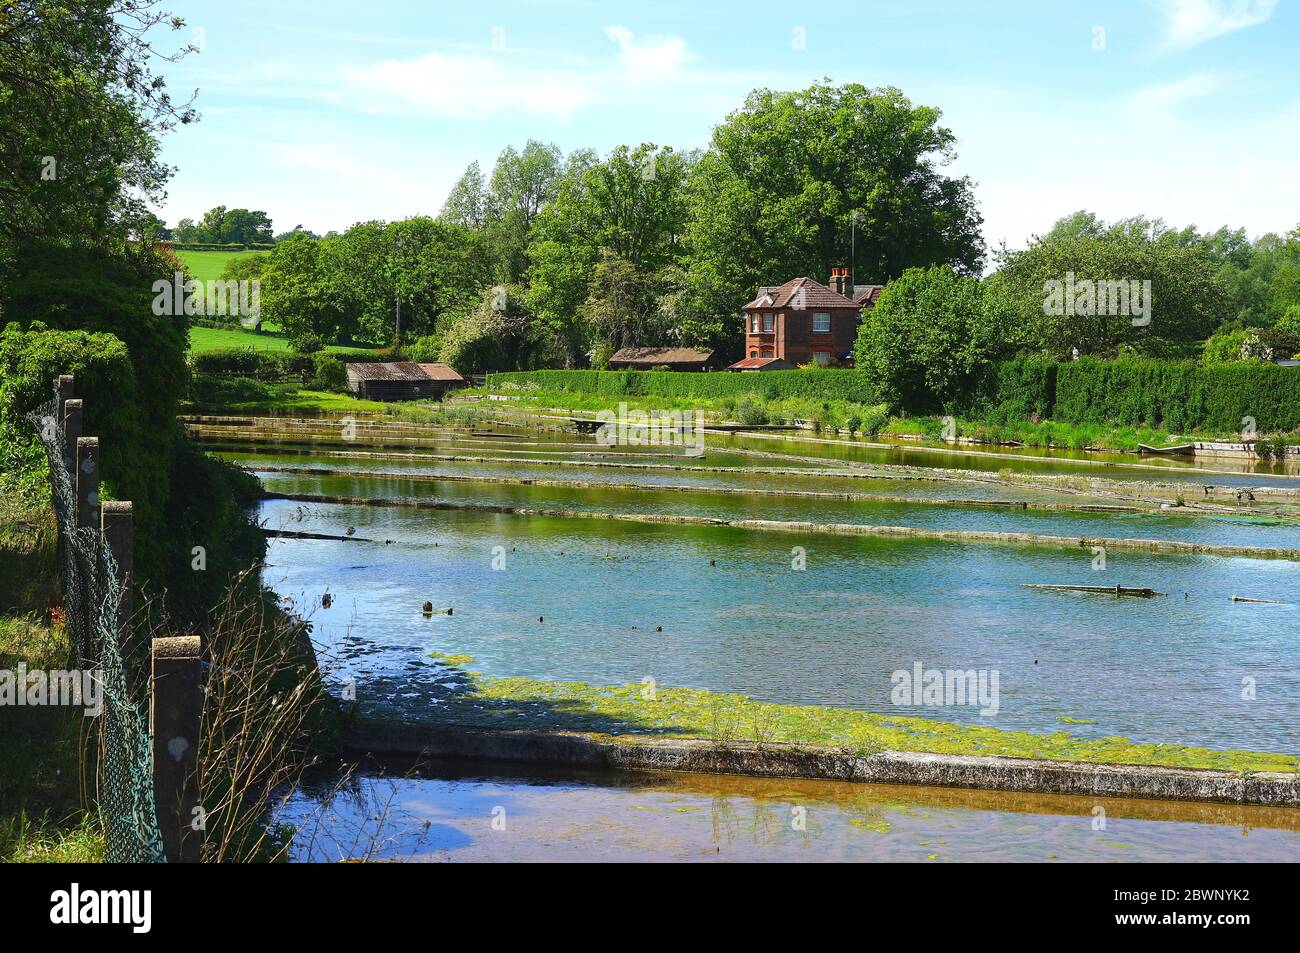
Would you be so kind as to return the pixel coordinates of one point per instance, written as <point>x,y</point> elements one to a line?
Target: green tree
<point>295,291</point>
<point>466,203</point>
<point>1129,289</point>
<point>931,337</point>
<point>786,175</point>
<point>630,209</point>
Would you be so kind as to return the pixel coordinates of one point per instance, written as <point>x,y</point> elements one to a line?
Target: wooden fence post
<point>87,482</point>
<point>116,523</point>
<point>175,715</point>
<point>71,434</point>
<point>65,388</point>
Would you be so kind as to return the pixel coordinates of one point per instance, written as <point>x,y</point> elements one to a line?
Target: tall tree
<point>630,210</point>
<point>785,177</point>
<point>466,203</point>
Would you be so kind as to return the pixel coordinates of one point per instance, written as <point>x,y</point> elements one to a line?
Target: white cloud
<point>466,86</point>
<point>471,84</point>
<point>652,57</point>
<point>1191,22</point>
<point>1158,101</point>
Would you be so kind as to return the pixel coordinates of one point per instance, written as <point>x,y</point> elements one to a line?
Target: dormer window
<point>753,324</point>
<point>769,322</point>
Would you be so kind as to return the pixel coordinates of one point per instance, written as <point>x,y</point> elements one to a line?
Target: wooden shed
<point>673,358</point>
<point>401,380</point>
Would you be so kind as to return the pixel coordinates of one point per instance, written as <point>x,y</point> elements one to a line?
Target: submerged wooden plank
<point>1142,592</point>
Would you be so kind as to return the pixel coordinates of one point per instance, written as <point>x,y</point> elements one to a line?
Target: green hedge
<point>250,363</point>
<point>1179,395</point>
<point>217,246</point>
<point>1176,395</point>
<point>815,385</point>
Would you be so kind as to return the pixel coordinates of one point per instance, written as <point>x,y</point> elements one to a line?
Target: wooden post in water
<point>116,523</point>
<point>175,718</point>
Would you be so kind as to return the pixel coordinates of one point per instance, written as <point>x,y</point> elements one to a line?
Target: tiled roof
<point>801,294</point>
<point>401,371</point>
<point>441,372</point>
<point>758,363</point>
<point>866,295</point>
<point>661,355</point>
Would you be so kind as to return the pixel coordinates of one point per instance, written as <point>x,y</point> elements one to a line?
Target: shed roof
<point>661,355</point>
<point>761,364</point>
<point>401,371</point>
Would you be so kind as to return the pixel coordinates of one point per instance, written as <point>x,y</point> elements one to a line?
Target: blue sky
<point>327,113</point>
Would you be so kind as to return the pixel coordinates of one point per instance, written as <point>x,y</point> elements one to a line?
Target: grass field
<point>208,265</point>
<point>216,339</point>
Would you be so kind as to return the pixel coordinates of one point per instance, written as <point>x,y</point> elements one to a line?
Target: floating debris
<point>1117,590</point>
<point>1271,602</point>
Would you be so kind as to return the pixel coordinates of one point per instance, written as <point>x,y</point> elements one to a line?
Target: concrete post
<point>71,434</point>
<point>175,715</point>
<point>117,526</point>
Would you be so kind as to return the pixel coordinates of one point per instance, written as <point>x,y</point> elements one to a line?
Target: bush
<point>307,343</point>
<point>750,413</point>
<point>330,375</point>
<point>253,364</point>
<point>209,391</point>
<point>424,350</point>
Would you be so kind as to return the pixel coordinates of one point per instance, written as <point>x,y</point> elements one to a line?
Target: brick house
<point>804,321</point>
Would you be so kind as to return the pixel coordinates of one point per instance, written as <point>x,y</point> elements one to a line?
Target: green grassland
<point>218,339</point>
<point>208,265</point>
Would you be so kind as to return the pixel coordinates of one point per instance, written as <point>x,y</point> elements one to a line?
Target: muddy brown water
<point>489,813</point>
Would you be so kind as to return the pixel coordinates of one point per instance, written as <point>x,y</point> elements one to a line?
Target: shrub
<point>307,343</point>
<point>750,413</point>
<point>330,375</point>
<point>210,391</point>
<point>424,350</point>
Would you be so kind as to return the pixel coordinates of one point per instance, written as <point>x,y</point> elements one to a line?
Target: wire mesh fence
<point>97,611</point>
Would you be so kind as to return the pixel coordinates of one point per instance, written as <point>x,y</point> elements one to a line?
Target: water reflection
<point>496,813</point>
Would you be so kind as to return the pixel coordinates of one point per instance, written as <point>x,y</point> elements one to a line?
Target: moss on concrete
<point>634,711</point>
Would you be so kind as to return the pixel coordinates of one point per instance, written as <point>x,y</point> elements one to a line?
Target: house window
<point>753,354</point>
<point>753,324</point>
<point>767,352</point>
<point>822,323</point>
<point>768,322</point>
<point>822,358</point>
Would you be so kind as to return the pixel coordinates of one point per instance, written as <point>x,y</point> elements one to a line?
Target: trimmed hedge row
<point>250,363</point>
<point>1175,395</point>
<point>1179,396</point>
<point>772,385</point>
<point>276,365</point>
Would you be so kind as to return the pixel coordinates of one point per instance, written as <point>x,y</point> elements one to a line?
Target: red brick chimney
<point>840,281</point>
